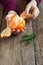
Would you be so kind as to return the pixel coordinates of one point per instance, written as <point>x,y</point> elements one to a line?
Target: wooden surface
<point>38,42</point>
<point>15,52</point>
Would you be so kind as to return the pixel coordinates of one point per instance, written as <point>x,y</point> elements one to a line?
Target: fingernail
<point>23,30</point>
<point>18,30</point>
<point>24,27</point>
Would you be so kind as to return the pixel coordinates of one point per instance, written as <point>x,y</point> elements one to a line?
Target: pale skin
<point>32,6</point>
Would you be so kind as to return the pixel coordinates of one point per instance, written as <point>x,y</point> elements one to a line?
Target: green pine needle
<point>29,37</point>
<point>29,41</point>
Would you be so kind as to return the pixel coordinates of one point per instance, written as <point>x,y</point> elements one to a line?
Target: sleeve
<point>38,1</point>
<point>9,5</point>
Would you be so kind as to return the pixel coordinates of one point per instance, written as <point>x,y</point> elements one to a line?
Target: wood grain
<point>13,51</point>
<point>38,42</point>
<point>23,53</point>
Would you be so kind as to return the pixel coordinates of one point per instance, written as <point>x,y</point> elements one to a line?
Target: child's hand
<point>32,6</point>
<point>15,22</point>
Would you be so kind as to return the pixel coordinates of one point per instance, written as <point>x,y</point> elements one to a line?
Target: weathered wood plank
<point>23,53</point>
<point>13,49</point>
<point>6,51</point>
<point>38,42</point>
<point>22,48</point>
<point>15,52</point>
<point>6,46</point>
